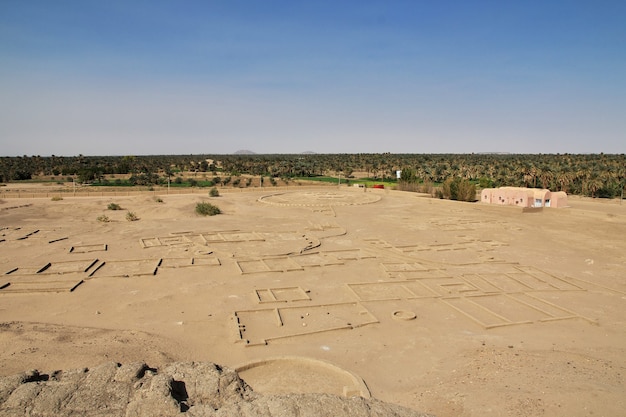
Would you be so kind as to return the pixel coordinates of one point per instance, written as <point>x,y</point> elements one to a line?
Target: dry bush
<point>408,186</point>
<point>459,189</point>
<point>103,218</point>
<point>207,209</point>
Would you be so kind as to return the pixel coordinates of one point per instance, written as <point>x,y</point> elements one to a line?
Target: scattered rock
<point>197,388</point>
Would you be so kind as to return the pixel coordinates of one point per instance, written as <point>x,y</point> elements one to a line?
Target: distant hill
<point>248,152</point>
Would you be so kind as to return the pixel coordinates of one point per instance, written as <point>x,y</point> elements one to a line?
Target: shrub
<point>207,209</point>
<point>131,217</point>
<point>214,193</point>
<point>57,198</point>
<point>484,182</point>
<point>158,199</point>
<point>459,189</point>
<point>114,206</point>
<point>408,186</point>
<point>467,191</point>
<point>103,218</point>
<point>426,187</point>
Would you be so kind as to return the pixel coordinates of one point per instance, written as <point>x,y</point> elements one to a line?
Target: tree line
<point>594,175</point>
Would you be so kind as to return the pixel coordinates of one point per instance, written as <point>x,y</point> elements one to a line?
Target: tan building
<point>523,197</point>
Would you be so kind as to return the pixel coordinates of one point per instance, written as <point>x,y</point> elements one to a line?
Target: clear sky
<point>123,77</point>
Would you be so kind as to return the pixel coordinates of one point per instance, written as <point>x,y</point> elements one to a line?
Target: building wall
<point>559,199</point>
<point>523,197</point>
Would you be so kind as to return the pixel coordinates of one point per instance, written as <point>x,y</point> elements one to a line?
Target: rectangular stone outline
<point>152,271</point>
<point>332,261</point>
<point>272,293</point>
<point>89,248</point>
<point>265,267</point>
<point>50,267</point>
<point>190,262</point>
<point>279,322</point>
<point>29,287</point>
<point>411,295</point>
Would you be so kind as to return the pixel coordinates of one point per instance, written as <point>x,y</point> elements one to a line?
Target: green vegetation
<point>207,209</point>
<point>458,189</point>
<point>131,217</point>
<point>593,175</point>
<point>191,182</point>
<point>214,193</point>
<point>410,182</point>
<point>368,182</point>
<point>57,198</point>
<point>118,182</point>
<point>114,206</point>
<point>332,180</point>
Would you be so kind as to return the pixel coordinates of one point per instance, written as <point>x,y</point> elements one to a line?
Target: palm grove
<point>593,175</point>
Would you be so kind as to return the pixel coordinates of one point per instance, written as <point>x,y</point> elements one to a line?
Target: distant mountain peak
<point>244,152</point>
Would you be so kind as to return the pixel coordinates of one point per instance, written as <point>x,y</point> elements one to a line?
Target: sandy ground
<point>450,308</point>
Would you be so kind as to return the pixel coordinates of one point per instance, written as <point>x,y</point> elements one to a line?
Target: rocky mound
<point>196,389</point>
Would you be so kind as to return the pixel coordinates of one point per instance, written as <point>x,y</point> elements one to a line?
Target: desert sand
<point>454,309</point>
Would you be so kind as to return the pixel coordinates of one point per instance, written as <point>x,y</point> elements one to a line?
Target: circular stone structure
<point>403,315</point>
<point>320,198</point>
<point>301,375</point>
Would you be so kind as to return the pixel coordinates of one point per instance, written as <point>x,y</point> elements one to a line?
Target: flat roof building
<point>523,197</point>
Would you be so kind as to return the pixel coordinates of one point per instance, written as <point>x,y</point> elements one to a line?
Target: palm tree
<point>546,176</point>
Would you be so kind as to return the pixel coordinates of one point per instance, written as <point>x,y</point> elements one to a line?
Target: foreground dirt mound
<point>196,389</point>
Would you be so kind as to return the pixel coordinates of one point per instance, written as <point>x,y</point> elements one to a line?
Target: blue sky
<point>190,77</point>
